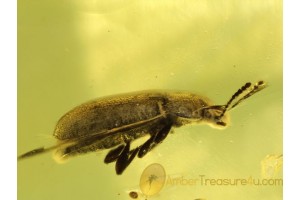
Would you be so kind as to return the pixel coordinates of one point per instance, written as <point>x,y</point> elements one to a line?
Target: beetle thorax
<point>185,106</point>
<point>191,108</point>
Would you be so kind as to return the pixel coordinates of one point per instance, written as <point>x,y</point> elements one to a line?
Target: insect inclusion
<point>115,122</point>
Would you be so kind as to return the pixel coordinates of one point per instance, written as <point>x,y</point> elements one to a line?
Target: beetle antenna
<point>254,89</point>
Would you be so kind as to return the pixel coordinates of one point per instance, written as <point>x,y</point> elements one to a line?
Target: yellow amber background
<point>71,51</point>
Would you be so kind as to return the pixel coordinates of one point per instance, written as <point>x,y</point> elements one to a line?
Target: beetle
<point>115,122</point>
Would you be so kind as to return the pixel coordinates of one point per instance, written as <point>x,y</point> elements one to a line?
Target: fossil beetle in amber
<point>115,122</point>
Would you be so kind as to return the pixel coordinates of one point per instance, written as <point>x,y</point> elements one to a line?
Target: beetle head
<point>214,116</point>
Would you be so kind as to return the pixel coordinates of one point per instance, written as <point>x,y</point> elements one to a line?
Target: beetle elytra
<point>114,122</point>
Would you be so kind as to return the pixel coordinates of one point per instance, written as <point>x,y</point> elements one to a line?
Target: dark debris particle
<point>133,195</point>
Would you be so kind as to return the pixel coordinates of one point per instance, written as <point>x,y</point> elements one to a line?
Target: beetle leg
<point>125,158</point>
<point>114,154</point>
<point>154,140</point>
